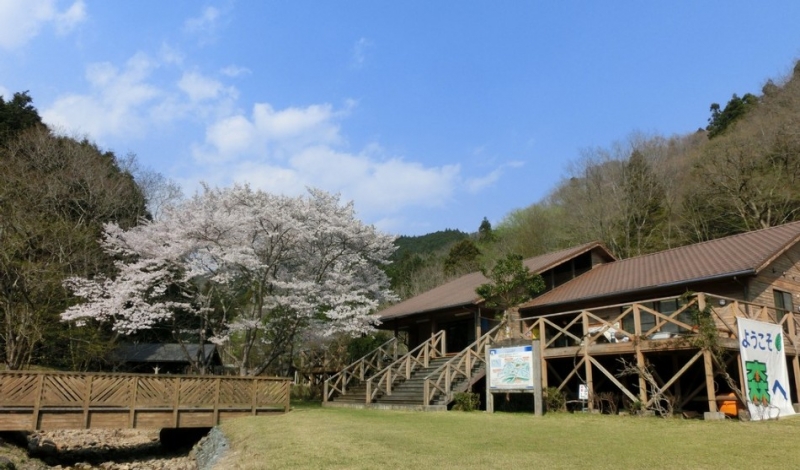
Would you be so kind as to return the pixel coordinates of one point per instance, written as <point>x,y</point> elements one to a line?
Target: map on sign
<point>511,368</point>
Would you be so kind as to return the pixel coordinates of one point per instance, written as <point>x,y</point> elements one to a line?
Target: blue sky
<point>427,114</point>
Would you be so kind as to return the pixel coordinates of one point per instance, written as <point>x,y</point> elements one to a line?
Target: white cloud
<point>206,21</point>
<point>287,150</point>
<point>117,104</point>
<point>22,20</point>
<point>199,87</point>
<point>475,185</point>
<point>69,19</point>
<point>206,25</point>
<point>7,95</point>
<point>235,71</point>
<point>360,51</point>
<point>270,133</point>
<point>126,101</point>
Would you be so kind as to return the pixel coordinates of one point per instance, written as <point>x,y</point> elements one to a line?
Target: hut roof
<point>461,291</point>
<point>745,254</point>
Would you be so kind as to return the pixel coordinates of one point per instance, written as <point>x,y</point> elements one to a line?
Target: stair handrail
<point>384,380</point>
<point>361,369</point>
<point>461,364</point>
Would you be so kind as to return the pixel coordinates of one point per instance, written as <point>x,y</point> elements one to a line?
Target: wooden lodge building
<point>597,312</point>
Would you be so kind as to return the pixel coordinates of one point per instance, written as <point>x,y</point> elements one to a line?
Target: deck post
<point>709,370</point>
<point>537,378</point>
<point>796,367</point>
<point>489,396</point>
<point>587,363</point>
<point>637,347</point>
<point>542,346</point>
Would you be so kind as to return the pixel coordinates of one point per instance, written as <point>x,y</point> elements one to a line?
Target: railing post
<point>368,397</point>
<point>87,396</point>
<point>176,401</point>
<point>37,403</point>
<point>216,400</point>
<point>134,390</point>
<point>325,391</point>
<point>254,398</point>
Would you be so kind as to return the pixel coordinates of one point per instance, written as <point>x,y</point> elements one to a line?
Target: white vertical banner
<point>764,365</point>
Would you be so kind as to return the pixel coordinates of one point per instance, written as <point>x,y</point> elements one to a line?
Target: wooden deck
<point>62,400</point>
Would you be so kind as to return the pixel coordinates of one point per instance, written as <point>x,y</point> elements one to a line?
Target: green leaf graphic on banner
<point>779,342</point>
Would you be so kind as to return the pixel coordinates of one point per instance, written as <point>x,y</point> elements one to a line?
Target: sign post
<point>514,369</point>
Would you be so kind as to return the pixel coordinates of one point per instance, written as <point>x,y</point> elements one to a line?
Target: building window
<point>783,303</point>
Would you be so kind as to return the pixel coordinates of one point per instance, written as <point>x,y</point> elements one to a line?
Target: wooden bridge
<point>64,400</point>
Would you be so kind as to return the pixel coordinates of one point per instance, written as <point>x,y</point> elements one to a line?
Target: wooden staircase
<point>423,379</point>
<point>409,393</point>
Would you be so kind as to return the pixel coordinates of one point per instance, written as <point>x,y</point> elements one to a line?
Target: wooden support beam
<point>573,372</point>
<point>587,363</point>
<point>796,368</point>
<point>613,379</point>
<point>711,394</point>
<point>678,374</point>
<point>637,346</point>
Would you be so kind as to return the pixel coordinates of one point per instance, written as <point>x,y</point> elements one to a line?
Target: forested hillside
<point>55,195</point>
<point>738,172</point>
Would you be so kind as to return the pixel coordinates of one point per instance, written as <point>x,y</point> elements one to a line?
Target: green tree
<point>463,258</point>
<point>512,283</point>
<point>485,232</point>
<point>17,115</point>
<point>722,119</point>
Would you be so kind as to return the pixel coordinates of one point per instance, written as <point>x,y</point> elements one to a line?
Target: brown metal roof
<point>737,255</point>
<point>461,291</point>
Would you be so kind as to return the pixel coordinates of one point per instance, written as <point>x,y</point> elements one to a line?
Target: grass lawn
<point>325,438</point>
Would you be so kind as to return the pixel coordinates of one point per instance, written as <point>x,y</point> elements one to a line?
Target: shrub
<point>466,401</point>
<point>555,400</point>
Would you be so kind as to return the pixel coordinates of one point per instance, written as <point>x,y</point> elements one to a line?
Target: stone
<point>713,416</point>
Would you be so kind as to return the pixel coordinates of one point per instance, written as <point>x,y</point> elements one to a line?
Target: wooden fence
<point>63,400</point>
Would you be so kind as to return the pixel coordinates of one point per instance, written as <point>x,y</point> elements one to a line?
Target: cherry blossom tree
<point>254,273</point>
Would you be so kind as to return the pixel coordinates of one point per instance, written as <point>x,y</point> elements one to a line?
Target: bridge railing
<point>65,400</point>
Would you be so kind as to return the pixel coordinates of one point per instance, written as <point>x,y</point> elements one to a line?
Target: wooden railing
<point>602,325</point>
<point>621,330</point>
<point>63,400</point>
<point>384,381</point>
<point>361,369</point>
<point>442,379</point>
